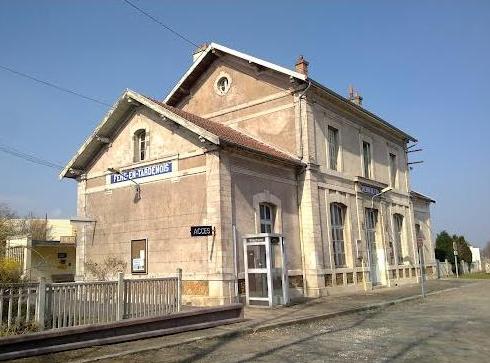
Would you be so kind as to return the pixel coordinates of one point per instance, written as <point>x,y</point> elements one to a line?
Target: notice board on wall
<point>138,256</point>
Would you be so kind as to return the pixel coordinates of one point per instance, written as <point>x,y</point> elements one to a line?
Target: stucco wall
<point>45,262</point>
<point>422,217</point>
<point>258,102</point>
<point>169,204</point>
<point>253,183</point>
<point>163,215</point>
<point>166,139</point>
<point>352,131</point>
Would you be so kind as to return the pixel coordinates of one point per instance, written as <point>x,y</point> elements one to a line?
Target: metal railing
<point>62,305</point>
<point>18,303</point>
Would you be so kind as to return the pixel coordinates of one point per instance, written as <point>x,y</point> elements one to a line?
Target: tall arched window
<point>398,228</point>
<point>140,145</point>
<point>337,218</point>
<point>266,218</point>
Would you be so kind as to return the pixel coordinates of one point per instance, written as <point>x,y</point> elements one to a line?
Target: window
<point>393,170</point>
<point>223,85</point>
<point>140,145</point>
<point>371,222</point>
<point>398,228</point>
<point>266,222</point>
<point>366,158</point>
<point>333,147</point>
<point>337,214</point>
<point>138,256</point>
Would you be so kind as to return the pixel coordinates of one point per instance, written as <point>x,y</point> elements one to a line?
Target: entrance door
<point>266,280</point>
<point>371,221</point>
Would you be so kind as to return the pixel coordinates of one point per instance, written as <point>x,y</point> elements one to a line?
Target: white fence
<point>55,305</point>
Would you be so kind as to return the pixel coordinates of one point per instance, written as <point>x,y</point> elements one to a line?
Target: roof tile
<point>230,135</point>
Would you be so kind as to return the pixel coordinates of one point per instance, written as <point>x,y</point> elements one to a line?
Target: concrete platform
<point>260,319</point>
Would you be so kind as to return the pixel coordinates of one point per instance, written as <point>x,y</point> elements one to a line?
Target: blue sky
<point>423,66</point>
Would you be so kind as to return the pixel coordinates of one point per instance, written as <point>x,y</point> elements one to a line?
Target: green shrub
<point>18,328</point>
<point>10,271</point>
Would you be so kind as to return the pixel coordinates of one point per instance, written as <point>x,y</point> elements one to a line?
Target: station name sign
<point>198,231</point>
<point>369,189</point>
<point>142,172</point>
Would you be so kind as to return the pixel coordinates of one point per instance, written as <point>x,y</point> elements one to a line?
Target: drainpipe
<point>301,120</point>
<point>301,239</point>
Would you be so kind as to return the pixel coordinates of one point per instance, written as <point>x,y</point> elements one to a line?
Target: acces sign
<point>198,231</point>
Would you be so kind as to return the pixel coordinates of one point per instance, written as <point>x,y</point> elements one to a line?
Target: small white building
<point>476,264</point>
<point>52,257</point>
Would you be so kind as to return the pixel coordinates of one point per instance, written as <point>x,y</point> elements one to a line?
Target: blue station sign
<point>142,172</point>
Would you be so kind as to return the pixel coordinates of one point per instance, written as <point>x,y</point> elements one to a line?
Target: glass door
<point>266,281</point>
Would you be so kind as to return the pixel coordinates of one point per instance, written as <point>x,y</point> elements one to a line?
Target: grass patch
<point>476,275</point>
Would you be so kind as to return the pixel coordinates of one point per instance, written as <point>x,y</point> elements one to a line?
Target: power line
<point>160,23</point>
<point>29,157</point>
<point>52,85</point>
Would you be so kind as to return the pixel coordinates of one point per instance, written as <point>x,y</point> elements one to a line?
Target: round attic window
<point>223,84</point>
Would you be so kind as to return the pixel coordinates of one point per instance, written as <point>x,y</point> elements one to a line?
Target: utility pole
<point>420,245</point>
<point>455,250</point>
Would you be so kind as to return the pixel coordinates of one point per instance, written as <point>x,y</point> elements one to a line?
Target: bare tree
<point>37,228</point>
<point>107,269</point>
<point>7,225</point>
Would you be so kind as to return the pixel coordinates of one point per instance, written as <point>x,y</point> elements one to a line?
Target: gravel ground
<point>448,327</point>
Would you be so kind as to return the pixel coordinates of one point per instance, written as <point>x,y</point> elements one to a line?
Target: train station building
<point>259,182</point>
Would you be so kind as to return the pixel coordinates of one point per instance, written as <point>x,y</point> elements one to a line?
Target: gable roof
<point>212,131</point>
<point>211,53</point>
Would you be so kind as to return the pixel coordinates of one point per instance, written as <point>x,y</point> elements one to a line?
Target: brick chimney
<point>198,51</point>
<point>354,96</point>
<point>302,65</point>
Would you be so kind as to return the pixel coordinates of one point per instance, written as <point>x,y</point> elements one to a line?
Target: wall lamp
<point>383,191</point>
<point>137,196</point>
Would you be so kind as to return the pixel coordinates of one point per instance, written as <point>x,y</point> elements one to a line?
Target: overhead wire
<point>151,17</point>
<point>40,161</point>
<point>29,157</point>
<point>52,85</point>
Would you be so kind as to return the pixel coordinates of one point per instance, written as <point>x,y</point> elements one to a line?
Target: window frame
<point>338,213</point>
<point>336,133</point>
<point>371,229</point>
<point>140,145</point>
<point>367,170</point>
<point>217,89</point>
<point>393,166</point>
<point>398,236</point>
<point>263,220</point>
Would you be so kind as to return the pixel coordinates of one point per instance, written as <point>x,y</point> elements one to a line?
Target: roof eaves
<point>235,53</point>
<point>288,159</point>
<point>127,95</point>
<point>93,135</point>
<point>415,194</point>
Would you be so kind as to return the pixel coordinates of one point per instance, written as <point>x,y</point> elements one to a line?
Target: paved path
<point>394,333</point>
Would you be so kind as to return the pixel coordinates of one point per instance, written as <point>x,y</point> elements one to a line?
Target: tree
<point>37,228</point>
<point>7,226</point>
<point>107,269</point>
<point>10,271</point>
<point>486,250</point>
<point>444,246</point>
<point>463,248</point>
